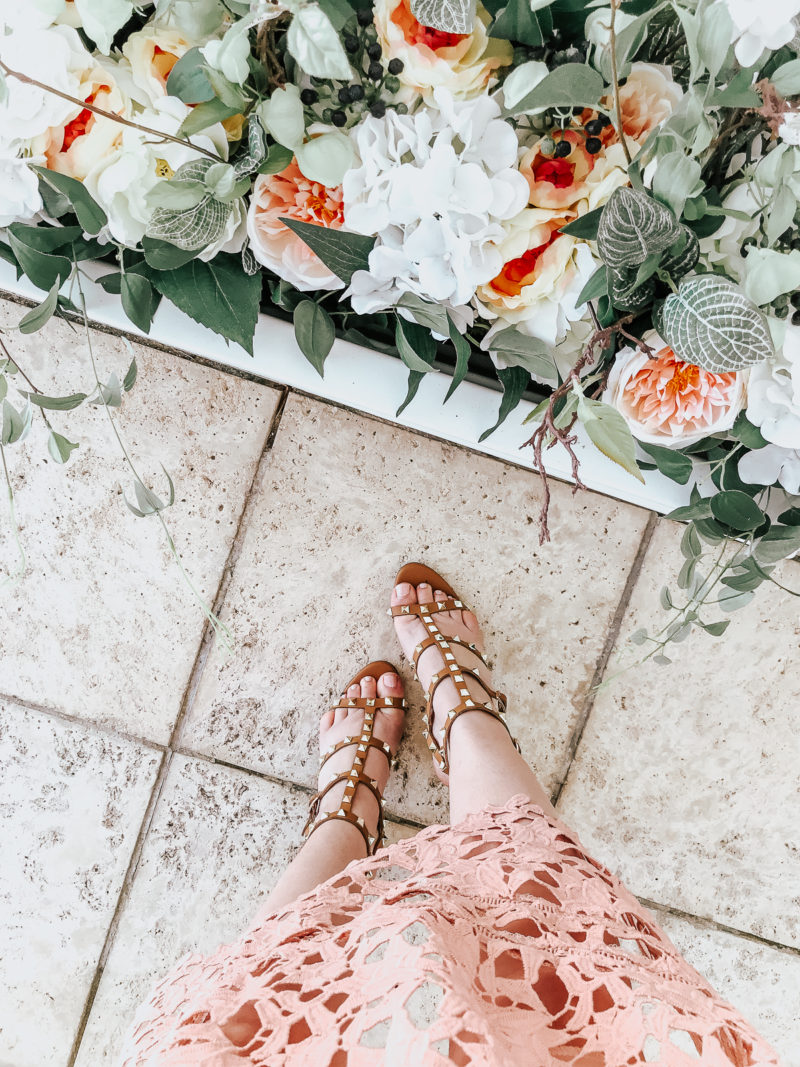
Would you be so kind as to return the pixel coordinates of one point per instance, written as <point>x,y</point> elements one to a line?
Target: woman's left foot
<point>337,724</point>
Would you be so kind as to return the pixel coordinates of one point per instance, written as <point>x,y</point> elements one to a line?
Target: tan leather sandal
<point>356,776</point>
<point>417,574</point>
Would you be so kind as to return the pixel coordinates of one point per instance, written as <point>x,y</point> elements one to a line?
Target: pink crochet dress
<point>497,941</point>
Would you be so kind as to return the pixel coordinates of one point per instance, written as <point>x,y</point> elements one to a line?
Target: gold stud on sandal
<point>355,776</point>
<point>418,574</point>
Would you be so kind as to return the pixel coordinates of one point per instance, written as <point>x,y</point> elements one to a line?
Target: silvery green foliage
<point>634,226</point>
<point>626,293</point>
<point>450,16</point>
<point>192,228</point>
<point>256,149</point>
<point>710,322</point>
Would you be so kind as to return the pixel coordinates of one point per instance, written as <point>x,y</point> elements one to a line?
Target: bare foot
<point>347,722</point>
<point>462,624</point>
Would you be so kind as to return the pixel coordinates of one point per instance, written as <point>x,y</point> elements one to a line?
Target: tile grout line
<point>605,654</point>
<point>201,657</point>
<point>705,922</point>
<point>86,724</point>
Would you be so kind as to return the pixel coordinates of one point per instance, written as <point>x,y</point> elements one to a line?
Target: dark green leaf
<point>217,294</point>
<point>131,375</point>
<point>737,510</point>
<point>514,381</point>
<point>567,86</point>
<point>791,517</point>
<point>139,300</point>
<point>59,447</point>
<point>517,22</point>
<point>778,543</point>
<point>700,509</point>
<point>463,350</point>
<point>43,270</point>
<point>187,80</point>
<point>278,159</point>
<point>164,256</point>
<point>90,215</point>
<point>746,577</point>
<point>314,332</point>
<point>584,227</point>
<point>416,346</point>
<point>38,316</point>
<point>205,115</point>
<point>343,253</point>
<point>669,462</point>
<point>45,238</point>
<point>750,436</point>
<point>338,11</point>
<point>596,287</point>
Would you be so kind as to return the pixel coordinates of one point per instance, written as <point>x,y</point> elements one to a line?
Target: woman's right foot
<point>462,624</point>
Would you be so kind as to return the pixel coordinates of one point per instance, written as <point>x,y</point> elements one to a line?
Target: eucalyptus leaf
<point>205,115</point>
<point>608,431</point>
<point>731,600</point>
<point>35,319</point>
<point>59,447</point>
<point>737,510</point>
<point>56,403</point>
<point>188,81</point>
<point>670,462</point>
<point>778,543</point>
<point>710,322</point>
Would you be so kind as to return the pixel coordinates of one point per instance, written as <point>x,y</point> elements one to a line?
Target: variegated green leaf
<point>632,227</point>
<point>710,322</point>
<point>192,229</point>
<point>450,16</point>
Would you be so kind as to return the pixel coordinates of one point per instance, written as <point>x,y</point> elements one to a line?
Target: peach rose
<point>461,62</point>
<point>580,181</point>
<point>647,99</point>
<point>152,53</point>
<point>290,194</point>
<point>668,402</point>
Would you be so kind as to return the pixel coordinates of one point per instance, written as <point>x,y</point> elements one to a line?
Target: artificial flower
<point>597,31</point>
<point>576,183</point>
<point>647,99</point>
<point>121,181</point>
<point>291,195</point>
<point>772,465</point>
<point>773,396</point>
<point>668,402</point>
<point>99,19</point>
<point>54,56</point>
<point>152,53</point>
<point>435,188</point>
<point>460,62</point>
<point>756,26</point>
<point>723,249</point>
<point>19,191</point>
<point>542,275</point>
<point>789,129</point>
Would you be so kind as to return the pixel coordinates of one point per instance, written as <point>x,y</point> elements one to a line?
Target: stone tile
<point>219,840</point>
<point>103,626</point>
<point>686,780</point>
<point>71,804</point>
<point>343,502</point>
<point>761,981</point>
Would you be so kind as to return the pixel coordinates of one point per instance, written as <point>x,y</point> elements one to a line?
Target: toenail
<point>403,589</point>
<point>391,680</point>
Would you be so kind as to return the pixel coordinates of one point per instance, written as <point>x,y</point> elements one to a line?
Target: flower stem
<point>84,104</point>
<point>615,78</point>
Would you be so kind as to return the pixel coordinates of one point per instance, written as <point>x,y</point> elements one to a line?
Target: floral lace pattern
<point>497,941</point>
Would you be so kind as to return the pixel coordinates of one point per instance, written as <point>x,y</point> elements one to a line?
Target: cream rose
<point>647,99</point>
<point>543,274</point>
<point>152,53</point>
<point>53,56</point>
<point>668,402</point>
<point>462,63</point>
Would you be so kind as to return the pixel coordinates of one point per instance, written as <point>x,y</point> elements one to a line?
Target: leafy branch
<point>84,104</point>
<point>615,81</point>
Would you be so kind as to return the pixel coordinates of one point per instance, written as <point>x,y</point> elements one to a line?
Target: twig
<point>107,114</point>
<point>615,78</point>
<point>14,576</point>
<point>11,359</point>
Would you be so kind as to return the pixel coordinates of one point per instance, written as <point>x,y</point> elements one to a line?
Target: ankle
<point>477,729</point>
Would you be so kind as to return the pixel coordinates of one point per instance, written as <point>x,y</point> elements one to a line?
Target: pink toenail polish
<point>391,680</point>
<point>403,589</point>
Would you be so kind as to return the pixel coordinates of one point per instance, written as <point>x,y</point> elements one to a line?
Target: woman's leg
<point>485,768</point>
<point>336,843</point>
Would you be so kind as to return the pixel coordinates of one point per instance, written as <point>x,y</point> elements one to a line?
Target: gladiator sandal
<point>356,776</point>
<point>417,574</point>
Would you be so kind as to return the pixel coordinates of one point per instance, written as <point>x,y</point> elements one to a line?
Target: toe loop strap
<point>345,703</point>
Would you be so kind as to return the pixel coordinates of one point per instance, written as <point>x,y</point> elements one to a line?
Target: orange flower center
<point>519,272</point>
<point>415,33</point>
<point>163,62</point>
<point>83,122</point>
<point>323,210</point>
<point>687,377</point>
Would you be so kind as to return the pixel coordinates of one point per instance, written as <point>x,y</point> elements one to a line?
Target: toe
<point>326,721</point>
<point>404,594</point>
<point>390,685</point>
<point>368,687</point>
<point>424,593</point>
<point>453,616</point>
<point>354,691</point>
<point>471,622</point>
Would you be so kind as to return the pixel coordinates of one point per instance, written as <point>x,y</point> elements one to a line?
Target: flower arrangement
<point>602,199</point>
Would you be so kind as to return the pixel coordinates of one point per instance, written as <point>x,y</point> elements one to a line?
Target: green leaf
<point>205,115</point>
<point>632,227</point>
<point>217,294</point>
<point>791,517</point>
<point>36,318</point>
<point>517,22</point>
<point>596,287</point>
<point>750,436</point>
<point>514,348</point>
<point>56,403</point>
<point>463,351</point>
<point>449,16</point>
<point>715,33</point>
<point>434,316</point>
<point>515,381</point>
<point>777,543</point>
<point>278,159</point>
<point>746,577</point>
<point>108,394</point>
<point>671,463</point>
<point>131,375</point>
<point>59,447</point>
<point>569,85</point>
<point>715,629</point>
<point>737,510</point>
<point>585,227</point>
<point>343,253</point>
<point>781,211</point>
<point>90,215</point>
<point>139,300</point>
<point>15,424</point>
<point>416,346</point>
<point>786,78</point>
<point>677,177</point>
<point>316,45</point>
<point>609,432</point>
<point>188,81</point>
<point>45,238</point>
<point>163,256</point>
<point>730,600</point>
<point>690,544</point>
<point>737,93</point>
<point>665,599</point>
<point>698,509</point>
<point>711,531</point>
<point>314,332</point>
<point>227,91</point>
<point>44,270</point>
<point>710,322</point>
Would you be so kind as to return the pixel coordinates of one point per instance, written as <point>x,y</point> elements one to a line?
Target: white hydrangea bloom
<point>766,466</point>
<point>434,187</point>
<point>773,395</point>
<point>789,129</point>
<point>19,190</point>
<point>758,25</point>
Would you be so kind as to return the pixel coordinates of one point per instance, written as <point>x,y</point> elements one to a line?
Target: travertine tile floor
<point>151,789</point>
